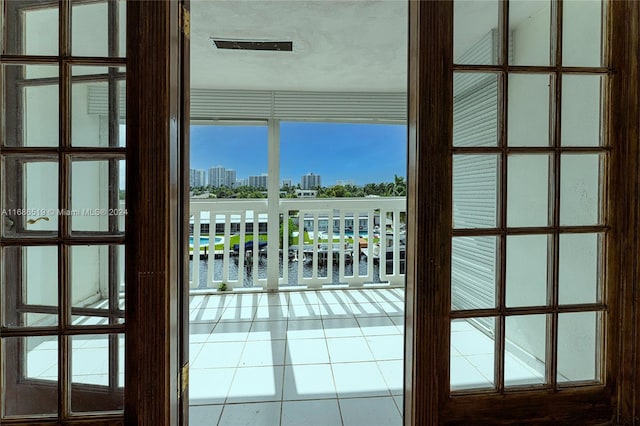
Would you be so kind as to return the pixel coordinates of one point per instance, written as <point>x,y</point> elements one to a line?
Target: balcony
<point>310,243</point>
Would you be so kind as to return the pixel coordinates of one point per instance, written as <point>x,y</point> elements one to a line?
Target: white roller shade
<point>211,104</point>
<point>475,179</point>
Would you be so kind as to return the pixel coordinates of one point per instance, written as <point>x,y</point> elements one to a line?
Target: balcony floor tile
<point>322,412</point>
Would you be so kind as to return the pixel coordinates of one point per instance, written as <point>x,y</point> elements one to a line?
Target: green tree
<point>292,228</point>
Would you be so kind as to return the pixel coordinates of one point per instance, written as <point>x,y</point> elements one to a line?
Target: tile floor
<point>327,358</point>
<point>297,358</point>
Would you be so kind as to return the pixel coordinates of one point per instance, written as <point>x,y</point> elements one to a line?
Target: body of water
<point>204,241</point>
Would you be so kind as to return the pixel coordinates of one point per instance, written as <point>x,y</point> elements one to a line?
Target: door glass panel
<point>33,361</point>
<point>30,188</point>
<point>97,101</point>
<point>62,257</point>
<point>96,362</point>
<point>472,353</point>
<point>475,109</point>
<point>579,280</point>
<point>581,110</point>
<point>546,266</point>
<point>91,24</point>
<point>528,190</point>
<point>530,32</point>
<point>478,45</point>
<point>528,119</point>
<point>96,284</point>
<point>580,189</point>
<point>95,193</point>
<point>475,191</point>
<point>30,31</point>
<point>578,354</point>
<point>37,303</point>
<point>582,33</point>
<point>31,93</point>
<point>527,271</point>
<point>473,273</point>
<point>525,350</point>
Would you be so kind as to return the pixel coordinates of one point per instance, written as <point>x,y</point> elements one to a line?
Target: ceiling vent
<point>277,46</point>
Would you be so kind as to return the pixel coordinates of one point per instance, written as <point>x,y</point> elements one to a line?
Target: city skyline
<point>338,152</point>
<point>218,176</point>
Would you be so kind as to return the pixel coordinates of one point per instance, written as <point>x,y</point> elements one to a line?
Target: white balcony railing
<point>301,242</point>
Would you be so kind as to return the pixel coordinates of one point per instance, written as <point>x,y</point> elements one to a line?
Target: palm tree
<point>398,187</point>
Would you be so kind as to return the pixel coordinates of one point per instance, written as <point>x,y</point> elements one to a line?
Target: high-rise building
<point>217,176</point>
<point>201,178</point>
<point>310,181</point>
<point>230,178</point>
<point>258,181</point>
<point>286,182</point>
<point>197,178</point>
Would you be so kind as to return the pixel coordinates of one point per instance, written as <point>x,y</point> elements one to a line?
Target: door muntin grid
<point>62,159</point>
<point>533,302</point>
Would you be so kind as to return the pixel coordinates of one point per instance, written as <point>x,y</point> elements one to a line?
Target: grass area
<point>234,239</point>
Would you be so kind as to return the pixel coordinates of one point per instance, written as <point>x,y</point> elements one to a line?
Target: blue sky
<point>362,153</point>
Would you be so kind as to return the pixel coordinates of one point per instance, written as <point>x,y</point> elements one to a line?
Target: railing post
<point>210,254</point>
<point>241,255</point>
<point>273,206</point>
<point>195,263</point>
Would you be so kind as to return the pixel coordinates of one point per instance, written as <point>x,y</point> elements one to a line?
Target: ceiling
<point>343,45</point>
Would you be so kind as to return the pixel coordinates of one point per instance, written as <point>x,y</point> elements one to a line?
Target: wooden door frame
<point>430,217</point>
<point>154,228</point>
<point>624,198</point>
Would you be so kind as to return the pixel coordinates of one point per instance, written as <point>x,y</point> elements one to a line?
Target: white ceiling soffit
<point>338,46</point>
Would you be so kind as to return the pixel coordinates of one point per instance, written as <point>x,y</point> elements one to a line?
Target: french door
<point>63,155</point>
<point>519,200</point>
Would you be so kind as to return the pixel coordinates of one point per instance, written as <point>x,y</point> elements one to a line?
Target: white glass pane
<point>578,343</point>
<point>91,28</point>
<point>580,189</point>
<point>530,32</point>
<point>475,191</point>
<point>473,273</point>
<point>472,353</point>
<point>93,123</point>
<point>475,32</point>
<point>91,369</point>
<point>35,206</point>
<point>37,123</point>
<point>528,108</point>
<point>581,110</point>
<point>579,271</point>
<point>527,270</point>
<point>475,109</point>
<point>91,185</point>
<point>582,33</point>
<point>91,285</point>
<point>35,34</point>
<point>525,350</point>
<point>39,394</point>
<point>39,278</point>
<point>528,190</point>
